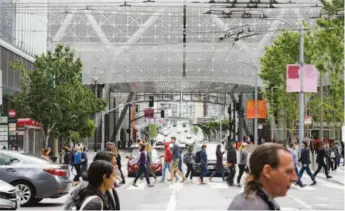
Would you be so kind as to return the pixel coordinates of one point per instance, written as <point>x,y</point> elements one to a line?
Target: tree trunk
<point>56,149</point>
<point>284,126</point>
<point>321,108</point>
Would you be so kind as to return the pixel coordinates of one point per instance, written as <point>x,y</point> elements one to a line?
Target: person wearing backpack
<point>73,199</point>
<point>101,176</point>
<point>203,163</point>
<point>188,159</point>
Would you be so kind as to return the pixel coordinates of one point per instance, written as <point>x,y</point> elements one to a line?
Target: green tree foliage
<point>195,129</point>
<point>324,47</point>
<point>54,95</point>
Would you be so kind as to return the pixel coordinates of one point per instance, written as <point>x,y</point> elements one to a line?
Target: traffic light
<point>151,101</point>
<point>162,113</point>
<point>229,109</point>
<point>241,113</point>
<point>237,106</point>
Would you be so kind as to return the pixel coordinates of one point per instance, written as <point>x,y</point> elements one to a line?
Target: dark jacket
<point>142,158</point>
<point>321,154</point>
<point>219,162</point>
<point>67,159</point>
<point>232,156</point>
<point>203,156</point>
<point>118,160</point>
<point>305,157</point>
<point>176,152</point>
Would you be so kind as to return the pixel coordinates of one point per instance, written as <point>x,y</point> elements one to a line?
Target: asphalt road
<point>216,195</point>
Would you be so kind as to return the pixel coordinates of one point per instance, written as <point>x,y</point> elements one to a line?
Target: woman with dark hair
<point>142,167</point>
<point>219,163</point>
<point>101,177</point>
<point>320,159</point>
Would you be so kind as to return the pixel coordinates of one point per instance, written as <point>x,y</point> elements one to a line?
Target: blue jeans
<point>165,167</point>
<point>203,172</point>
<point>298,177</point>
<point>306,168</point>
<point>221,171</point>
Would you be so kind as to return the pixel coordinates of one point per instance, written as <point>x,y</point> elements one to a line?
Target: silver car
<point>34,177</point>
<point>8,196</point>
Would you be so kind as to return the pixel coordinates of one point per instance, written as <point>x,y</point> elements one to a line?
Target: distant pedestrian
<point>77,164</point>
<point>320,159</point>
<point>203,164</point>
<point>305,161</point>
<point>243,163</point>
<point>271,173</point>
<point>176,154</point>
<point>231,163</point>
<point>188,159</point>
<point>142,167</point>
<point>219,163</point>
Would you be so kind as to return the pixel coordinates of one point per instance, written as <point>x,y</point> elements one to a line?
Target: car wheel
<point>26,192</point>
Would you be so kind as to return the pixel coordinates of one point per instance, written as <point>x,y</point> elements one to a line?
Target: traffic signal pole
<point>111,110</point>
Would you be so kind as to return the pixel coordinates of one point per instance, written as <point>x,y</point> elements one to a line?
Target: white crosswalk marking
<point>218,185</point>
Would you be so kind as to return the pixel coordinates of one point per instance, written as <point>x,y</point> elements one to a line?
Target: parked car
<point>9,199</point>
<point>211,158</point>
<point>34,177</point>
<point>132,167</point>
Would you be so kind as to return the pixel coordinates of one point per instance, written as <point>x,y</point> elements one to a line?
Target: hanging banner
<point>310,78</point>
<point>262,112</point>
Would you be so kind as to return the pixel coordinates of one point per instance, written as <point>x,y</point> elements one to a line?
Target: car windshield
<point>135,153</point>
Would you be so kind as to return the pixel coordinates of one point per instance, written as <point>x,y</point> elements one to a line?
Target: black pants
<point>321,164</point>
<point>334,164</point>
<point>78,170</point>
<point>232,172</point>
<point>122,176</point>
<point>190,170</point>
<point>241,167</point>
<point>142,170</point>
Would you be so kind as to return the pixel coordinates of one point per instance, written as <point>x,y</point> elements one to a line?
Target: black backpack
<point>197,157</point>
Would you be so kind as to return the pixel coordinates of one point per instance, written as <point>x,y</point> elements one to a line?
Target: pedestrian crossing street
<point>218,184</point>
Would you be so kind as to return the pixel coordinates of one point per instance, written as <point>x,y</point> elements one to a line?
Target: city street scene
<point>172,105</point>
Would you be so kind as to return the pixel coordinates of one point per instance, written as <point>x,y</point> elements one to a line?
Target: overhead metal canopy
<point>139,47</point>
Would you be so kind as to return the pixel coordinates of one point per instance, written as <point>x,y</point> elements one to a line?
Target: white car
<point>188,140</point>
<point>160,140</point>
<point>9,199</point>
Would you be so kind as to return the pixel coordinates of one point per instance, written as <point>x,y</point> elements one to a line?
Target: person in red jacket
<point>167,159</point>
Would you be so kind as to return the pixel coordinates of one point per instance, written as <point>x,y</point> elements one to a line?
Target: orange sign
<point>262,113</point>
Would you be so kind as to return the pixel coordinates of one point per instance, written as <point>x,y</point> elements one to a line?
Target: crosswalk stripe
<point>308,188</point>
<point>218,185</point>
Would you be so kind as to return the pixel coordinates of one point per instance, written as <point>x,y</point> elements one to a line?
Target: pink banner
<point>310,78</point>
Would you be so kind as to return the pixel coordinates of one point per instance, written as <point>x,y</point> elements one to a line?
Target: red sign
<point>293,72</point>
<point>27,122</point>
<point>12,113</point>
<point>149,113</point>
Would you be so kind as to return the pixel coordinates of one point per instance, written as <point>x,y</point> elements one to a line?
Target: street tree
<point>283,51</point>
<point>54,95</point>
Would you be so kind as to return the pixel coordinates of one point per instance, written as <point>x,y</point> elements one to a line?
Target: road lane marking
<point>218,185</point>
<point>302,203</point>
